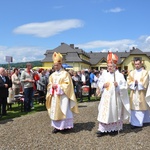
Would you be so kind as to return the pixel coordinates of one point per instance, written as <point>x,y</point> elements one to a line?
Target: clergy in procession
<point>114,105</point>
<point>138,83</point>
<point>148,93</point>
<point>61,102</point>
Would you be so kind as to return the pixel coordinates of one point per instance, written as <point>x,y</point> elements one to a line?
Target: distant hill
<point>21,64</point>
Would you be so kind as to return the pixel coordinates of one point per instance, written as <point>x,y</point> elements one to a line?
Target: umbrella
<point>66,66</point>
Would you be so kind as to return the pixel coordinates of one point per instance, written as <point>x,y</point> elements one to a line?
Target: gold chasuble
<point>63,79</point>
<point>137,96</point>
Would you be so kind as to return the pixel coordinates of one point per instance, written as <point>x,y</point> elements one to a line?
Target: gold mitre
<point>57,57</point>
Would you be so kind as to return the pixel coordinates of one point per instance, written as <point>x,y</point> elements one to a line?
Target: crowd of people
<point>122,96</point>
<point>14,83</point>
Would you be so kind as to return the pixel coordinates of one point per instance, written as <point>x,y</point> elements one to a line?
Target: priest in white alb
<point>138,80</point>
<point>61,102</point>
<point>114,105</point>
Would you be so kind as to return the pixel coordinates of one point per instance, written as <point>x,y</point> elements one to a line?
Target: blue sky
<point>30,27</point>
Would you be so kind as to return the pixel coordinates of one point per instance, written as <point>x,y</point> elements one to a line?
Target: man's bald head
<point>2,71</point>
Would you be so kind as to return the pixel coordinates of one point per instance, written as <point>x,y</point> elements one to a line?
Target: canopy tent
<point>66,66</point>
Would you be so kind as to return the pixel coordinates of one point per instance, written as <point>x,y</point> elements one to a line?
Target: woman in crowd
<point>16,84</point>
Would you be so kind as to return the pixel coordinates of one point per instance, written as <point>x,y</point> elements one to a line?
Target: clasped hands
<point>54,86</point>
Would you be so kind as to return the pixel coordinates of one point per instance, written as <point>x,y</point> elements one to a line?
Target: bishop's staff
<point>112,58</point>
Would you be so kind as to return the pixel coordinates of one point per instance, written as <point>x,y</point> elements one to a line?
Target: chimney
<point>72,46</point>
<point>62,43</point>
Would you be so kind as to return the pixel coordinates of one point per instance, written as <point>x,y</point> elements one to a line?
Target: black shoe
<point>100,134</point>
<point>55,131</point>
<point>135,127</point>
<point>113,133</point>
<point>65,130</point>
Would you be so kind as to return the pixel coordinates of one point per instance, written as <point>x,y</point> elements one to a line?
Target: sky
<point>30,27</point>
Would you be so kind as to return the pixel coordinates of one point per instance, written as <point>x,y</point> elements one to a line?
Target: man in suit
<point>4,85</point>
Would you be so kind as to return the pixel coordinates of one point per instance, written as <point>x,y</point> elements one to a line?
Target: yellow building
<point>79,59</point>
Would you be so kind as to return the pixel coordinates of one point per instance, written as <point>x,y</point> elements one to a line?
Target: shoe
<point>113,133</point>
<point>135,127</point>
<point>55,131</point>
<point>65,130</point>
<point>100,134</point>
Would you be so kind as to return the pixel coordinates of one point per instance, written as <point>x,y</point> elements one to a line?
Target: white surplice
<point>138,117</point>
<point>110,118</point>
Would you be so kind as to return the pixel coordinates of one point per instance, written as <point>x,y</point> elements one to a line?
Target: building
<point>79,59</point>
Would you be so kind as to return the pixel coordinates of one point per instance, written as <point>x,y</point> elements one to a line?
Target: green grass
<point>16,111</point>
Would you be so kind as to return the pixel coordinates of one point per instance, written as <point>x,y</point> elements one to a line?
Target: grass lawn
<point>16,111</point>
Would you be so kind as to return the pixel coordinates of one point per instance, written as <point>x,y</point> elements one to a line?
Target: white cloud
<point>143,43</point>
<point>114,10</point>
<point>22,54</point>
<point>47,29</point>
<point>118,45</point>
